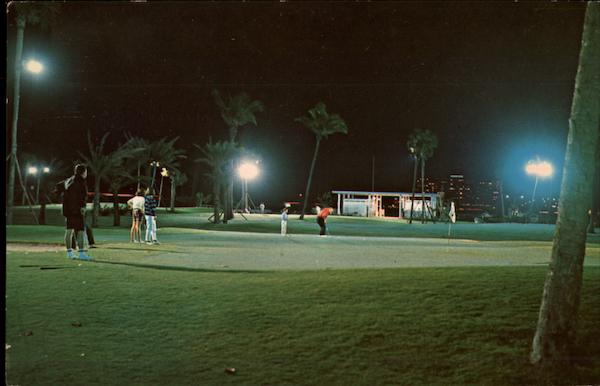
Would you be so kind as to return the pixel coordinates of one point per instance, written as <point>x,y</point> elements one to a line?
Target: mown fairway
<point>285,310</point>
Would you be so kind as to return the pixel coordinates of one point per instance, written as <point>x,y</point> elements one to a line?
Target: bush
<point>107,209</point>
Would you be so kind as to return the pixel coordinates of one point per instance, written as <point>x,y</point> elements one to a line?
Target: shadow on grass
<point>175,268</point>
<point>43,267</point>
<point>149,249</point>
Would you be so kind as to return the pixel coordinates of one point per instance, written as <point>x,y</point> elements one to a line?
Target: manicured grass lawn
<point>354,308</point>
<point>85,323</point>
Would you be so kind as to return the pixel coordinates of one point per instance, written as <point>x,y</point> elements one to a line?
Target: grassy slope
<point>396,326</point>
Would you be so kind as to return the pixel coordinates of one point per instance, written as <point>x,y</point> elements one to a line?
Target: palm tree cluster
<point>124,166</point>
<point>421,144</point>
<point>217,156</point>
<point>238,111</point>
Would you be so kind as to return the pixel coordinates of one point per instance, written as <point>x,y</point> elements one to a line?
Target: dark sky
<point>494,81</point>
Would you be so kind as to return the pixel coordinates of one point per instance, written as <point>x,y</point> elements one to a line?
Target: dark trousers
<point>323,225</point>
<point>88,233</point>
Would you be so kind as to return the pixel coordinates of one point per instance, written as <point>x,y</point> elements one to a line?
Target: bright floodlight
<point>46,169</point>
<point>32,170</point>
<point>164,172</point>
<point>34,66</point>
<point>539,168</point>
<point>248,170</point>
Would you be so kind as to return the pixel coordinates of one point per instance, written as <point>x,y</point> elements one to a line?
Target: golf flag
<point>452,213</point>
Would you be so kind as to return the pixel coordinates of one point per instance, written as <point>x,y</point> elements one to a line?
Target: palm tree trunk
<point>10,198</point>
<point>160,191</point>
<point>173,188</point>
<point>228,193</point>
<point>217,202</point>
<point>422,190</point>
<point>501,200</point>
<point>414,186</point>
<point>595,196</point>
<point>555,332</point>
<point>310,175</point>
<point>139,176</point>
<point>116,213</point>
<point>42,216</point>
<point>229,196</point>
<point>96,209</point>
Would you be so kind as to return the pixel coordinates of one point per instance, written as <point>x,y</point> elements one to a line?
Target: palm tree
<point>217,156</point>
<point>177,179</point>
<point>322,124</point>
<point>557,319</point>
<point>411,147</point>
<point>236,112</point>
<point>143,156</point>
<point>118,177</point>
<point>164,152</point>
<point>38,12</point>
<point>422,144</point>
<point>101,164</point>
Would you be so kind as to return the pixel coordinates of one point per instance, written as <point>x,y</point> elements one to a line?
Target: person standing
<point>284,221</point>
<point>74,191</point>
<point>322,220</point>
<point>137,211</point>
<point>150,214</point>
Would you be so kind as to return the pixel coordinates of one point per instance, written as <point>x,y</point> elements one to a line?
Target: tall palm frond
<point>322,124</point>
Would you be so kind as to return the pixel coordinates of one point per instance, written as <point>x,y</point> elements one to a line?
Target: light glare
<point>539,168</point>
<point>34,66</point>
<point>32,170</point>
<point>248,171</point>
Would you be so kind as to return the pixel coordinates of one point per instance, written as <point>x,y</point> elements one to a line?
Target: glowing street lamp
<point>34,66</point>
<point>154,164</point>
<point>31,170</point>
<point>164,173</point>
<point>35,171</point>
<point>539,169</point>
<point>44,170</point>
<point>247,171</point>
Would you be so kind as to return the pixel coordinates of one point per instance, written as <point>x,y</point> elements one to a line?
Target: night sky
<point>494,81</point>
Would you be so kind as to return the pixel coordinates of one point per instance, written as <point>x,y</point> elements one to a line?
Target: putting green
<point>222,250</point>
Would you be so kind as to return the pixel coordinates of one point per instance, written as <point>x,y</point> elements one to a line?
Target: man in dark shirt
<point>74,191</point>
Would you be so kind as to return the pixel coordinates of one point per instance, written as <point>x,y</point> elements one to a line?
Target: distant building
<point>430,185</point>
<point>387,204</point>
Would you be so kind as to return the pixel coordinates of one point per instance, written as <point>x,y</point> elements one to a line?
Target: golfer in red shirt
<point>322,220</point>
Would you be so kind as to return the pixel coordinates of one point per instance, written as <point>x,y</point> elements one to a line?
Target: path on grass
<point>197,249</point>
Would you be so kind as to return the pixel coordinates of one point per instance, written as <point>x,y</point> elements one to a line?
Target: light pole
<point>247,171</point>
<point>154,165</point>
<point>35,67</point>
<point>31,170</point>
<point>45,170</point>
<point>539,169</point>
<point>164,173</point>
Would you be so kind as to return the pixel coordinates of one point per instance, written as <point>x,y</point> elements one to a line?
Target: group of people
<point>322,215</point>
<point>74,194</point>
<point>143,208</point>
